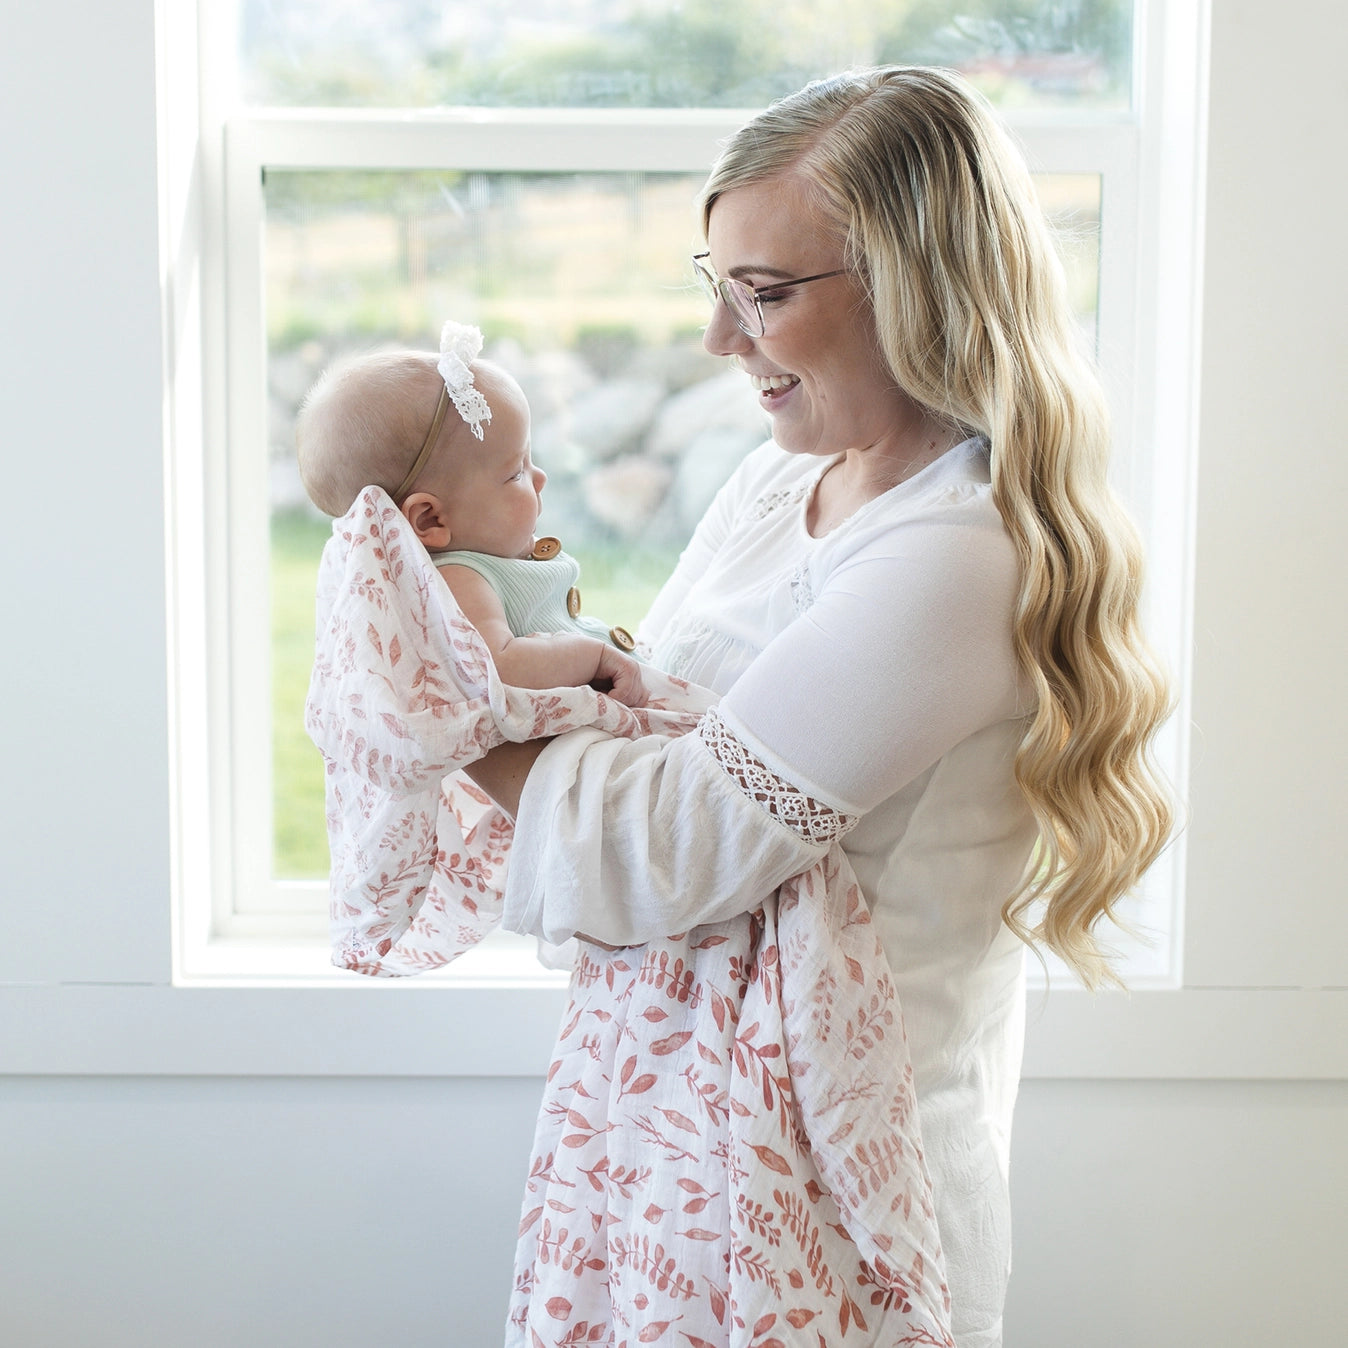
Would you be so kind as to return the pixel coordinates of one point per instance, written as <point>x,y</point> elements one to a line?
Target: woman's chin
<point>794,438</point>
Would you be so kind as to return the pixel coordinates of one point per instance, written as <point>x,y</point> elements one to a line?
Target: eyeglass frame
<point>719,284</point>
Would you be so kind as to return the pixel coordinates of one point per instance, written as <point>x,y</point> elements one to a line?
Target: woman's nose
<point>723,336</point>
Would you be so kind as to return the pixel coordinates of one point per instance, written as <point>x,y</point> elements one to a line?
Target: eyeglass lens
<point>738,297</point>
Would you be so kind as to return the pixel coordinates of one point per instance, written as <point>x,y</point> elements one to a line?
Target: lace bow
<point>460,344</point>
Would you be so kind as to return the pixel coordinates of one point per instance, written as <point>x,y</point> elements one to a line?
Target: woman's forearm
<point>630,840</point>
<point>503,772</point>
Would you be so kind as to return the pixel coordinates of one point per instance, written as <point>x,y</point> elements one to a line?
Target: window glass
<point>582,286</point>
<point>669,53</point>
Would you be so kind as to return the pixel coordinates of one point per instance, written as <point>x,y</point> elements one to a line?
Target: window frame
<point>234,924</point>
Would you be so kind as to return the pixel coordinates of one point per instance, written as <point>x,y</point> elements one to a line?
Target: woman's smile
<point>773,384</point>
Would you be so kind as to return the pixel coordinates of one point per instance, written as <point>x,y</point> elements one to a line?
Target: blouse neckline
<point>921,478</point>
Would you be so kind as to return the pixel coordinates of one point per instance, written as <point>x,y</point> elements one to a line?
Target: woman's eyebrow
<point>758,269</point>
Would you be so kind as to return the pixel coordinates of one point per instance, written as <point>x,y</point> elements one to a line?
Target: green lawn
<point>300,838</point>
<point>619,581</point>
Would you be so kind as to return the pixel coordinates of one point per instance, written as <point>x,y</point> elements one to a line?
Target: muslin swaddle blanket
<point>728,1149</point>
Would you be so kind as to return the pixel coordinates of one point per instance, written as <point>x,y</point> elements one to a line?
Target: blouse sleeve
<point>905,651</point>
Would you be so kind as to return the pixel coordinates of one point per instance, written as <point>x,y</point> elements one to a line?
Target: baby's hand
<point>624,674</point>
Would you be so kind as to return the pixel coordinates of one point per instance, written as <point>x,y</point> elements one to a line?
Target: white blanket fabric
<point>728,1150</point>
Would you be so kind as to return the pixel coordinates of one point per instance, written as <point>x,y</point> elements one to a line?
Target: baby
<point>449,441</point>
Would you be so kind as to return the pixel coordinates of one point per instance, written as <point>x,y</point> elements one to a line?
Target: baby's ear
<point>429,520</point>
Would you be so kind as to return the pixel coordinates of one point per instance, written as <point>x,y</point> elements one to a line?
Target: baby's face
<point>494,502</point>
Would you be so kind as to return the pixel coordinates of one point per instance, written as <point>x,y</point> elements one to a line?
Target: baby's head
<point>370,421</point>
<point>363,424</point>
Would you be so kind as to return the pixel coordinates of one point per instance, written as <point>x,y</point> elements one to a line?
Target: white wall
<point>219,1212</point>
<point>83,680</point>
<point>164,1210</point>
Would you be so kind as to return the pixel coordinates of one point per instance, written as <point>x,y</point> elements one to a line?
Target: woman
<point>918,604</point>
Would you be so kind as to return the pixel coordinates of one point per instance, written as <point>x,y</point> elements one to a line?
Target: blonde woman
<point>918,604</point>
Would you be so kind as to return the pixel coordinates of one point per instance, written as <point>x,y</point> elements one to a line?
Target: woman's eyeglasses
<point>744,301</point>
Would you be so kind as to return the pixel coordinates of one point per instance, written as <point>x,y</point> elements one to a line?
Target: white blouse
<point>872,672</point>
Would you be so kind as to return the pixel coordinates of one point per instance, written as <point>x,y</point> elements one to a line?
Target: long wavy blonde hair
<point>942,224</point>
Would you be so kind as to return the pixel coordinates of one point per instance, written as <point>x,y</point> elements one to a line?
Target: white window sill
<point>503,961</point>
<point>497,1013</point>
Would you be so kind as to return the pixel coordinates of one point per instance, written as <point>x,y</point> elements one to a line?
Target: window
<point>372,168</point>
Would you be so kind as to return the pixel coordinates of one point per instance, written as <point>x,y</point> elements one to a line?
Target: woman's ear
<point>429,520</point>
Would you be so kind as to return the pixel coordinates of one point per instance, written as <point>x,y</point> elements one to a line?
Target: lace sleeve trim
<point>810,818</point>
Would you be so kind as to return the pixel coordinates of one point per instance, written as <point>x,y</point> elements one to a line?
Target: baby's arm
<point>555,660</point>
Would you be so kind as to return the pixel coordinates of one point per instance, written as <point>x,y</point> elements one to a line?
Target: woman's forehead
<point>770,222</point>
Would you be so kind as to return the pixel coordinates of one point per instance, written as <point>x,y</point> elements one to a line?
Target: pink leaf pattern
<point>728,1151</point>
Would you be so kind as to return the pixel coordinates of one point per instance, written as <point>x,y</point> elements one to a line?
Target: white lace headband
<point>460,344</point>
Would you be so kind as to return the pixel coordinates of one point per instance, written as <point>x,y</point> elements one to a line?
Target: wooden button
<point>545,549</point>
<point>573,602</point>
<point>622,639</point>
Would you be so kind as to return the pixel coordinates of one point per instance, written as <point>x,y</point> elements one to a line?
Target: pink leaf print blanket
<point>728,1151</point>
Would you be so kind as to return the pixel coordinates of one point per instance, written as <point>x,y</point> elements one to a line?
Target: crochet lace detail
<point>813,820</point>
<point>776,500</point>
<point>802,592</point>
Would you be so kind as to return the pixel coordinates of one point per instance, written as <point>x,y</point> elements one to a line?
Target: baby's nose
<point>540,479</point>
